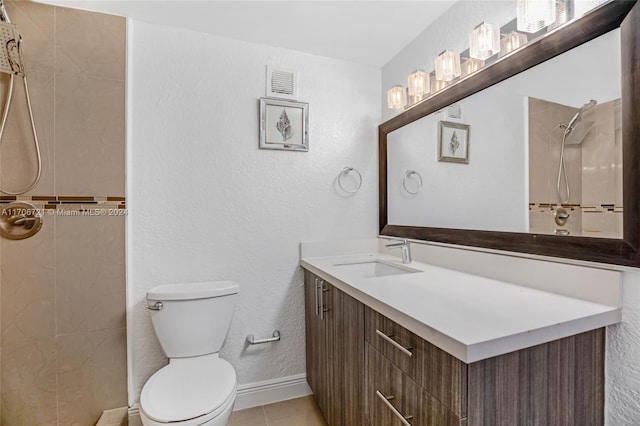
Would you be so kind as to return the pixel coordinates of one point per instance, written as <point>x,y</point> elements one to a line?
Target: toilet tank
<point>194,318</point>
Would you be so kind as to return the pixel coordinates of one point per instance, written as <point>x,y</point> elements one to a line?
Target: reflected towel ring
<point>407,175</point>
<point>346,171</point>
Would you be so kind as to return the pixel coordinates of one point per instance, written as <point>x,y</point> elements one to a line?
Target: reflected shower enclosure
<point>575,177</point>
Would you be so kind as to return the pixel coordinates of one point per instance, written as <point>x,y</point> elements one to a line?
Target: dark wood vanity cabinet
<point>335,351</point>
<point>365,369</point>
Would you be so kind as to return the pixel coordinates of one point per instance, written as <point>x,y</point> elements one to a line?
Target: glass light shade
<point>437,85</point>
<point>418,83</point>
<point>511,42</point>
<point>447,65</point>
<point>564,13</point>
<point>396,97</point>
<point>471,65</point>
<point>534,15</point>
<point>484,41</point>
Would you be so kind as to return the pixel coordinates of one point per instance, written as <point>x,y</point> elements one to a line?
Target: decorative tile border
<point>602,208</point>
<point>62,205</point>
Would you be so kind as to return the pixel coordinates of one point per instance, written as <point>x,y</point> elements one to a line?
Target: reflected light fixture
<point>484,41</point>
<point>396,97</point>
<point>437,85</point>
<point>511,42</point>
<point>447,65</point>
<point>471,65</point>
<point>534,15</point>
<point>418,84</point>
<point>564,13</point>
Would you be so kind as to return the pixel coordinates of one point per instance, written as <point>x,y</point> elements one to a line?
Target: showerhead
<point>579,132</point>
<point>10,54</point>
<point>576,118</point>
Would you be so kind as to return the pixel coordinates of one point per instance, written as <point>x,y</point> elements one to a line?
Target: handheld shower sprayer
<point>568,128</point>
<point>12,63</point>
<point>578,117</point>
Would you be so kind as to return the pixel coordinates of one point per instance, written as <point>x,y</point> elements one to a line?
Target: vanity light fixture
<point>471,65</point>
<point>396,97</point>
<point>511,42</point>
<point>448,65</point>
<point>484,41</point>
<point>534,15</point>
<point>418,83</point>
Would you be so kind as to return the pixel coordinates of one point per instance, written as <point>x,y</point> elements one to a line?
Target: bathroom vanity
<point>394,344</point>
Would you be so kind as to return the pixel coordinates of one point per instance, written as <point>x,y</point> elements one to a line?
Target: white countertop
<point>468,316</point>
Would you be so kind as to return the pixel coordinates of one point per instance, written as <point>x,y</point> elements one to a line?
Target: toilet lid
<point>188,388</point>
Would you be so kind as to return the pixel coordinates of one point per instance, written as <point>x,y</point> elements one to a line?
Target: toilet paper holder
<point>252,340</point>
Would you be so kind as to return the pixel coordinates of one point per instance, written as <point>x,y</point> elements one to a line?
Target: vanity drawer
<point>394,399</point>
<point>440,374</point>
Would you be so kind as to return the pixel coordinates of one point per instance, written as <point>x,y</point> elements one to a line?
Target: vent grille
<point>281,84</point>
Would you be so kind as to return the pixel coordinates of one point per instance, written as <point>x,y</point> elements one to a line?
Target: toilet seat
<point>189,391</point>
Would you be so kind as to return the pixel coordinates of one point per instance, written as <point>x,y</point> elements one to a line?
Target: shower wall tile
<point>539,165</point>
<point>618,185</point>
<point>602,225</point>
<point>90,273</point>
<point>29,382</point>
<point>90,44</point>
<point>28,286</point>
<point>18,164</point>
<point>90,135</point>
<point>602,157</point>
<point>91,375</point>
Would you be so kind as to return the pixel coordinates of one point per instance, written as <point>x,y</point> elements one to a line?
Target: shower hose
<point>3,122</point>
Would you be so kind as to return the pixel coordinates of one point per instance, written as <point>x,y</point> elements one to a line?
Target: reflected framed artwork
<point>453,142</point>
<point>284,125</point>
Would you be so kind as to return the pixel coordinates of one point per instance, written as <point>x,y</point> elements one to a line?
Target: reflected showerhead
<point>579,132</point>
<point>576,118</point>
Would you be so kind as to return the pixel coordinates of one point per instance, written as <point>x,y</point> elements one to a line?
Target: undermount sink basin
<point>373,268</point>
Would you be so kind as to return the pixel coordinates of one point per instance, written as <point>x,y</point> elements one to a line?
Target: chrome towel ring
<point>345,172</point>
<point>407,175</point>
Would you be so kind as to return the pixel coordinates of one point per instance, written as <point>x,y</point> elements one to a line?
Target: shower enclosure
<point>62,290</point>
<point>575,168</point>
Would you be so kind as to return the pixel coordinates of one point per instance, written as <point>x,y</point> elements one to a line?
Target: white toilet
<point>196,388</point>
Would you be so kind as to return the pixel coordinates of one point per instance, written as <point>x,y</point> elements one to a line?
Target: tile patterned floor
<point>295,412</point>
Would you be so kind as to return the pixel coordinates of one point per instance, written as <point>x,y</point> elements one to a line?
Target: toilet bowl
<point>197,387</point>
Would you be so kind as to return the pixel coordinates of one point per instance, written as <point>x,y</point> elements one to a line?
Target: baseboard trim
<point>270,391</point>
<point>256,394</point>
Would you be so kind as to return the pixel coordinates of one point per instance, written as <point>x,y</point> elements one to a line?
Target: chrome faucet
<point>406,250</point>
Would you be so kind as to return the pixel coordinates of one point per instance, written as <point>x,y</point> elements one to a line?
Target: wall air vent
<point>282,84</point>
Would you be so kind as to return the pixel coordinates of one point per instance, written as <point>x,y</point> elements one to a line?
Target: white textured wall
<point>623,340</point>
<point>206,204</point>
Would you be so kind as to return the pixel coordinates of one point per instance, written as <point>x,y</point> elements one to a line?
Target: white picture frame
<point>284,125</point>
<point>453,142</point>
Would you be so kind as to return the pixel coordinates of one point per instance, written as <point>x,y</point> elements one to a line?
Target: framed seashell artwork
<point>453,142</point>
<point>284,125</point>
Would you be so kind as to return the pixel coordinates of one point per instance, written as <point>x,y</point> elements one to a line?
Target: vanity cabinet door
<point>315,328</point>
<point>393,399</point>
<point>335,351</point>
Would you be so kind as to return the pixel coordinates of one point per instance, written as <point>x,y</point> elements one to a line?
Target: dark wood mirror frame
<point>626,251</point>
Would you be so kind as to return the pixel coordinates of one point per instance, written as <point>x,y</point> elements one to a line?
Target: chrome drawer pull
<point>395,411</point>
<point>317,306</point>
<point>406,351</point>
<point>322,292</point>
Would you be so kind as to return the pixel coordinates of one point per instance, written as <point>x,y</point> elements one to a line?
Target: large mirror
<point>538,155</point>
